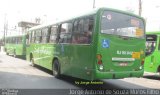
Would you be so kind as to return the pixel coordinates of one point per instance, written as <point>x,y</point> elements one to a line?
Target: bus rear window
<point>116,23</point>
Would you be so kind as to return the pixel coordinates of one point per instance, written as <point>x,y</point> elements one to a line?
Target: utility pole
<point>140,7</point>
<point>5,27</point>
<point>4,31</point>
<point>93,4</point>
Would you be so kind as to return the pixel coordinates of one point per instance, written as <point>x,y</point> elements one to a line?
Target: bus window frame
<point>44,35</point>
<point>54,33</point>
<point>84,19</point>
<point>158,42</point>
<point>66,33</point>
<point>39,36</point>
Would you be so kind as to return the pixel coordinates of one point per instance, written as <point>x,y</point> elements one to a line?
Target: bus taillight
<point>142,63</point>
<point>99,62</point>
<point>99,57</point>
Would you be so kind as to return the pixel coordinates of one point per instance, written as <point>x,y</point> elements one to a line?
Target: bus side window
<point>33,36</point>
<point>45,35</point>
<point>159,43</point>
<point>77,31</point>
<point>30,38</point>
<point>20,40</point>
<point>65,32</point>
<point>88,29</point>
<point>53,34</point>
<point>82,30</point>
<point>38,36</point>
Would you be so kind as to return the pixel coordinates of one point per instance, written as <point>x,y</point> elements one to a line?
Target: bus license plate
<point>136,55</point>
<point>123,64</point>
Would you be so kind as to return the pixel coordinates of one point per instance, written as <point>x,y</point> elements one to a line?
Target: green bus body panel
<point>19,49</point>
<point>125,47</point>
<point>152,61</point>
<point>80,61</point>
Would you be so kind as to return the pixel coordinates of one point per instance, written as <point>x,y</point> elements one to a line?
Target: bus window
<point>159,44</point>
<point>65,32</point>
<point>19,40</point>
<point>33,36</point>
<point>121,25</point>
<point>38,36</point>
<point>16,40</point>
<point>77,31</point>
<point>45,35</point>
<point>88,29</point>
<point>53,34</point>
<point>82,31</point>
<point>150,43</point>
<point>30,38</point>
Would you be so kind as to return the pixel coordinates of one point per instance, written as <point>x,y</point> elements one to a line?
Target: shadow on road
<point>107,84</point>
<point>104,84</point>
<point>154,77</point>
<point>18,56</point>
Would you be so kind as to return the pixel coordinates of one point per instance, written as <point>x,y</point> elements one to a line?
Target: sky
<point>14,11</point>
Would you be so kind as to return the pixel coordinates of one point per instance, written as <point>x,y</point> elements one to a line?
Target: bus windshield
<point>122,24</point>
<point>150,43</point>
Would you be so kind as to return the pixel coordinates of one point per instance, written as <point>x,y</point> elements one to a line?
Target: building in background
<point>24,26</point>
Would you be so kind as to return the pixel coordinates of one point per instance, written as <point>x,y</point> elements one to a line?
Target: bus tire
<point>7,53</point>
<point>32,61</point>
<point>56,68</point>
<point>158,70</point>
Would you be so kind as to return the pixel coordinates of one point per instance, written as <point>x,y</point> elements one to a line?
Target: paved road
<point>17,73</point>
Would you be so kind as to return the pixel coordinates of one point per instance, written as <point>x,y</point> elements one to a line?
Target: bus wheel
<point>158,70</point>
<point>7,53</point>
<point>56,68</point>
<point>32,62</point>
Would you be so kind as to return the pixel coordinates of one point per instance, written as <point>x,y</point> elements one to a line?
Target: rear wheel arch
<point>56,67</point>
<point>55,58</point>
<point>14,53</point>
<point>30,56</point>
<point>32,60</point>
<point>158,69</point>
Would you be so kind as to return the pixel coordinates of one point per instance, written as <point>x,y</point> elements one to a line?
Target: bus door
<point>64,48</point>
<point>36,46</point>
<point>82,53</point>
<point>45,49</point>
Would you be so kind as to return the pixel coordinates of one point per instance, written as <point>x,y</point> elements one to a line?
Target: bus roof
<point>15,36</point>
<point>153,32</point>
<point>94,11</point>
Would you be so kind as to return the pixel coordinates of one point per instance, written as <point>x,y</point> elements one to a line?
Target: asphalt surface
<point>16,73</point>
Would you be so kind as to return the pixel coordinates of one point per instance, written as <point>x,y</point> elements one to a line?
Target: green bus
<point>103,44</point>
<point>15,45</point>
<point>152,60</point>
